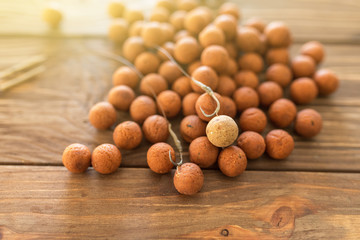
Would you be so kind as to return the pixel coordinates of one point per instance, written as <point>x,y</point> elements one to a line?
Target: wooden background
<point>314,194</point>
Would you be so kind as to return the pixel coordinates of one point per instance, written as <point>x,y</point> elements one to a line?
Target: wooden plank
<point>328,21</point>
<point>49,202</point>
<point>40,118</point>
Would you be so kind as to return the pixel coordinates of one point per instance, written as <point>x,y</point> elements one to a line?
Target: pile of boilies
<point>249,68</point>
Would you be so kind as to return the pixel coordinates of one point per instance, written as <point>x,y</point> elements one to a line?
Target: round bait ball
<point>253,119</point>
<point>169,102</point>
<point>230,8</point>
<point>246,78</point>
<point>192,127</point>
<point>282,112</point>
<point>147,62</point>
<point>313,49</point>
<point>182,86</point>
<point>132,47</point>
<point>277,34</point>
<point>76,157</point>
<point>106,158</point>
<point>279,144</point>
<point>118,30</point>
<point>269,92</point>
<point>226,86</point>
<point>303,90</point>
<point>211,35</point>
<point>252,143</point>
<point>186,50</point>
<point>202,152</point>
<point>188,179</point>
<point>228,107</point>
<point>116,9</point>
<point>170,71</point>
<point>215,57</point>
<point>121,97</point>
<point>141,108</point>
<point>248,39</point>
<point>228,24</point>
<point>308,123</point>
<point>133,15</point>
<point>188,103</point>
<point>158,157</point>
<point>52,16</point>
<point>153,83</point>
<point>280,74</point>
<point>256,23</point>
<point>303,66</point>
<point>102,115</point>
<point>277,55</point>
<point>127,135</point>
<point>177,19</point>
<point>155,129</point>
<point>326,81</point>
<point>152,34</point>
<point>245,97</point>
<point>222,131</point>
<point>232,161</point>
<point>207,104</point>
<point>207,76</point>
<point>125,76</point>
<point>252,62</point>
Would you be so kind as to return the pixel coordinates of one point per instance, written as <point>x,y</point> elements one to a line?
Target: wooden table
<point>314,194</point>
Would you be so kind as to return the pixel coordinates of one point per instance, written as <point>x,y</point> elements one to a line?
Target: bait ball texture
<point>279,144</point>
<point>125,76</point>
<point>253,119</point>
<point>303,90</point>
<point>102,115</point>
<point>127,135</point>
<point>76,158</point>
<point>106,158</point>
<point>158,158</point>
<point>269,92</point>
<point>232,161</point>
<point>282,112</point>
<point>192,127</point>
<point>188,179</point>
<point>222,131</point>
<point>202,152</point>
<point>308,123</point>
<point>155,129</point>
<point>252,143</point>
<point>326,81</point>
<point>121,97</point>
<point>141,108</point>
<point>169,102</point>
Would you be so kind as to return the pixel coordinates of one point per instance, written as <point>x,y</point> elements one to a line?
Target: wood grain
<point>328,21</point>
<point>40,118</point>
<point>49,202</point>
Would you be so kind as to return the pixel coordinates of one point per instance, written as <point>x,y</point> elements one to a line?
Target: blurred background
<point>90,17</point>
